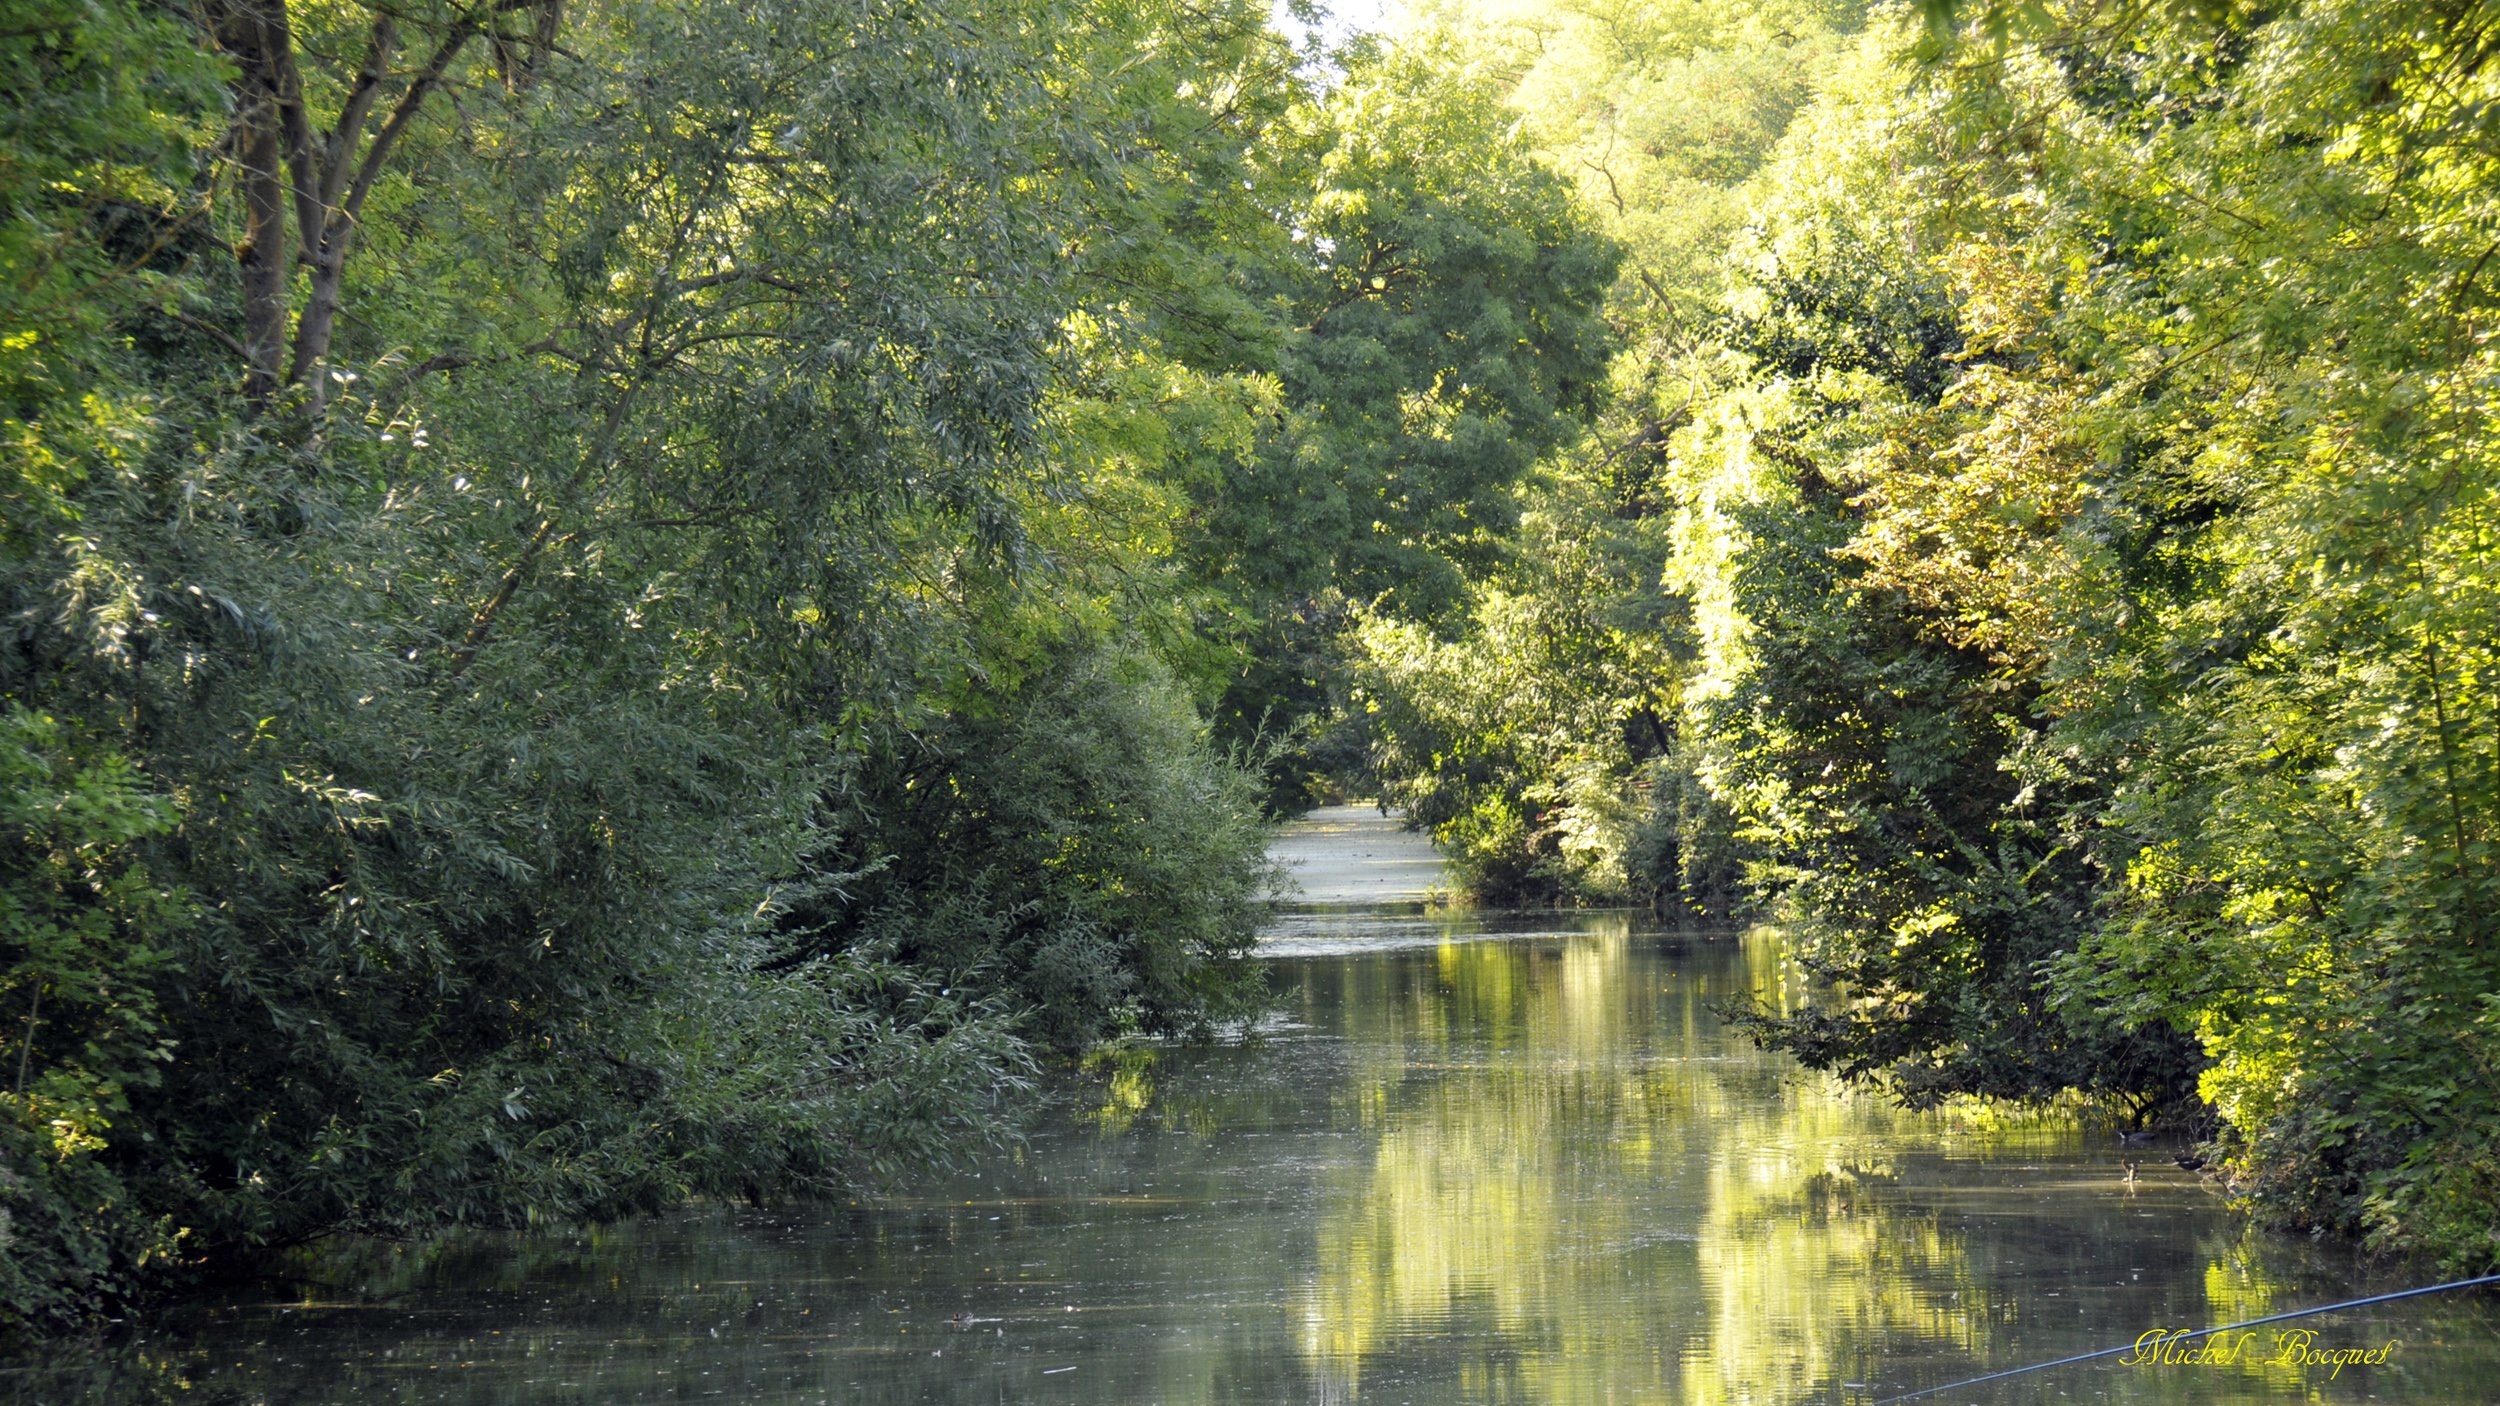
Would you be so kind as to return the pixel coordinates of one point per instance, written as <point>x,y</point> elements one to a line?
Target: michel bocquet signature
<point>2296,1347</point>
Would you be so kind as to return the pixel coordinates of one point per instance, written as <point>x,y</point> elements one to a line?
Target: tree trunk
<point>281,161</point>
<point>262,254</point>
<point>339,202</point>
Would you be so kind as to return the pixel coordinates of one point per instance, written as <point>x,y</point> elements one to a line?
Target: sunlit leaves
<point>2207,485</point>
<point>725,400</point>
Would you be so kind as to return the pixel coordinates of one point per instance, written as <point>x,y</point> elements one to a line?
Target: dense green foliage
<point>1445,337</point>
<point>622,602</point>
<point>2068,449</point>
<point>616,603</point>
<point>1545,741</point>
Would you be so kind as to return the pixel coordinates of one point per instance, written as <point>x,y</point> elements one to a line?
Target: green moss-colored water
<point>1473,1159</point>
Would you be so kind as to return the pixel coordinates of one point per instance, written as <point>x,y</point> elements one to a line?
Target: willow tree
<point>502,475</point>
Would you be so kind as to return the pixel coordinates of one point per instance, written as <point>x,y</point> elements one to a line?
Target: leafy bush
<point>85,933</point>
<point>1073,848</point>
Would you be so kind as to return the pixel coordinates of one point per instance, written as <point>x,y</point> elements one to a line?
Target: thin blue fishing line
<point>2199,1333</point>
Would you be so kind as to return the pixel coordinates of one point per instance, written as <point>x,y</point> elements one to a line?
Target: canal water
<point>1472,1158</point>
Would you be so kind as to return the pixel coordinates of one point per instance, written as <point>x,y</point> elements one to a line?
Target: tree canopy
<point>617,603</point>
<point>2063,456</point>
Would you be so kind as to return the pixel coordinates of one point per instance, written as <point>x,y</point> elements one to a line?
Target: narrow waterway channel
<point>1474,1158</point>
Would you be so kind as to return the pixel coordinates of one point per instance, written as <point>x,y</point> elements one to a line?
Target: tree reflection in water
<point>1473,1159</point>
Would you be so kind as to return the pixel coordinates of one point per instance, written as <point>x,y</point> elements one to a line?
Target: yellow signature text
<point>2293,1347</point>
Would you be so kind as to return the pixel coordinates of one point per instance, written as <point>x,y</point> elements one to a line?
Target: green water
<point>1472,1160</point>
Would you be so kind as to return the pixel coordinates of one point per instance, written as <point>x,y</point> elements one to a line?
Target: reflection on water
<point>1472,1159</point>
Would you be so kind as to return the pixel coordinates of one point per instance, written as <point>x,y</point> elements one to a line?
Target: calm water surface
<point>1475,1159</point>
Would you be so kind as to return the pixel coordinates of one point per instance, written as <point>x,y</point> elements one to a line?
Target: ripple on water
<point>1489,1159</point>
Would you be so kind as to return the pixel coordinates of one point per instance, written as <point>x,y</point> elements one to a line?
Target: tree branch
<point>286,80</point>
<point>483,622</point>
<point>358,107</point>
<point>222,337</point>
<point>337,232</point>
<point>404,112</point>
